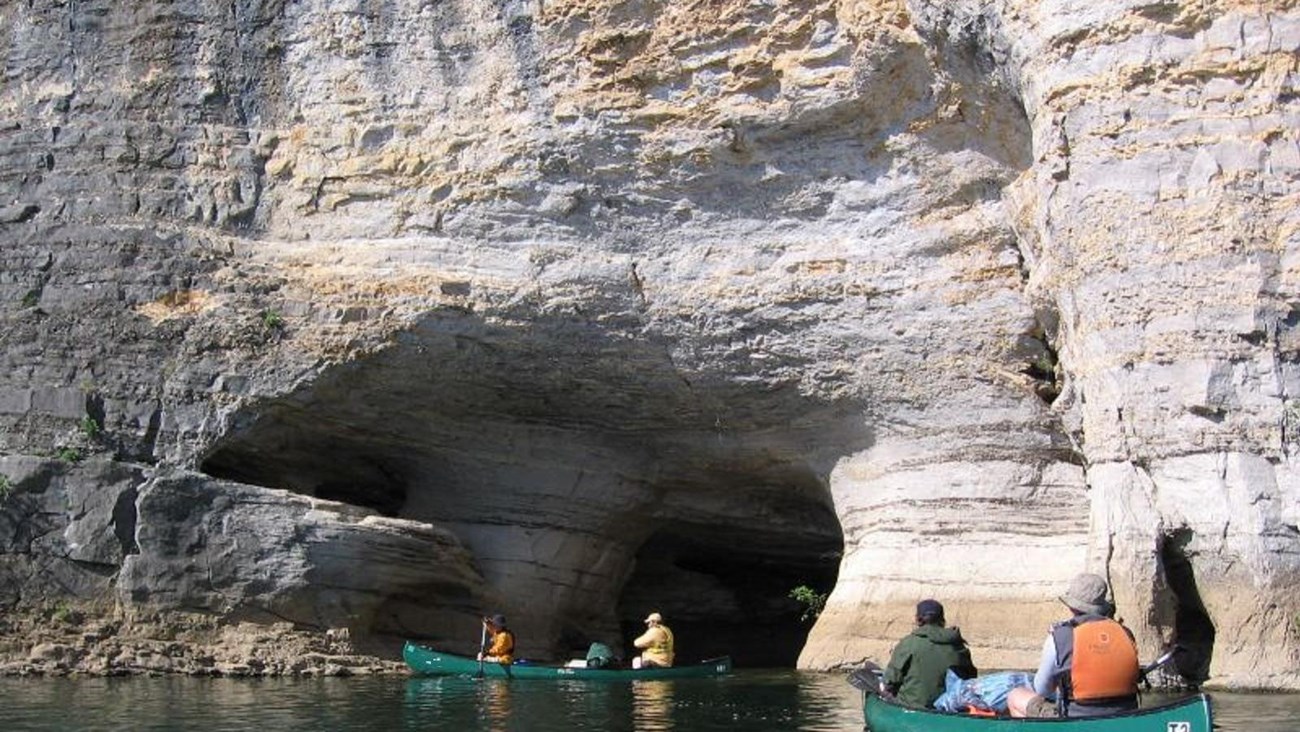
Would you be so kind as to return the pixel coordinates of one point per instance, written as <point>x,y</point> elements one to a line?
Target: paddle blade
<point>867,678</point>
<point>864,680</point>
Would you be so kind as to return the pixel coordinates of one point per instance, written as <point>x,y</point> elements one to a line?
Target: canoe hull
<point>1185,715</point>
<point>431,662</point>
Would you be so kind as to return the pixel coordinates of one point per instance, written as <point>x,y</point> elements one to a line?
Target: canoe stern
<point>1192,714</point>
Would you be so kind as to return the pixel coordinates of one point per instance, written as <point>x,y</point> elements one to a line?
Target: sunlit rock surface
<point>578,310</point>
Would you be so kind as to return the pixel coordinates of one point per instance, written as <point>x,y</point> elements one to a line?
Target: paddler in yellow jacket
<point>656,644</point>
<point>502,647</point>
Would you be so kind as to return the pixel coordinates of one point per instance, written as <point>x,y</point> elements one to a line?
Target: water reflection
<point>583,701</point>
<point>652,705</point>
<point>1256,712</point>
<point>495,703</point>
<point>752,701</point>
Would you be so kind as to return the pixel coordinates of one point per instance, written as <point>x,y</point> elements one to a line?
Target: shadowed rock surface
<point>382,317</point>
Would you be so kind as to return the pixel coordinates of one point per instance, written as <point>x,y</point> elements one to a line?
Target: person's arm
<point>965,668</point>
<point>1045,677</point>
<point>645,639</point>
<point>899,661</point>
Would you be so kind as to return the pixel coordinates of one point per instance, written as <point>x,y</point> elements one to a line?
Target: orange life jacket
<point>1101,657</point>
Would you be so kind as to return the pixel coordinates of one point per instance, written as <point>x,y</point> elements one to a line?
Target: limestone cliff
<point>380,315</point>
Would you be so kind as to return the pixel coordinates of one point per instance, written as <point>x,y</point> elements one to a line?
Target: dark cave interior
<point>722,595</point>
<point>1193,631</point>
<point>722,577</point>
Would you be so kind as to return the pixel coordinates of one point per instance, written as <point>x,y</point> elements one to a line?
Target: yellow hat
<point>654,618</point>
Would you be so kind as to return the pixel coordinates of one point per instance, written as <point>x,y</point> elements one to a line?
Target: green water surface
<point>752,701</point>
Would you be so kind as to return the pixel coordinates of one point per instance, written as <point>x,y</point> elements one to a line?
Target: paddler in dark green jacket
<point>920,663</point>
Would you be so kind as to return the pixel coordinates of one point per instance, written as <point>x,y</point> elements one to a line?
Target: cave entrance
<point>588,478</point>
<point>1192,628</point>
<point>724,593</point>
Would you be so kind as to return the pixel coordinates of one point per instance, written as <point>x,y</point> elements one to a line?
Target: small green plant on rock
<point>272,320</point>
<point>68,454</point>
<point>1045,362</point>
<point>63,613</point>
<point>812,600</point>
<point>90,427</point>
<point>6,487</point>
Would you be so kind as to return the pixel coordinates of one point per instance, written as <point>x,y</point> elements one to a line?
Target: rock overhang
<point>518,437</point>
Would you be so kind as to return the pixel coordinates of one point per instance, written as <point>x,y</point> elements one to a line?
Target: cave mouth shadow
<point>1193,630</point>
<point>482,428</point>
<point>727,594</point>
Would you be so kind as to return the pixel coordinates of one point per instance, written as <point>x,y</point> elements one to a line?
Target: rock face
<point>384,317</point>
<point>236,549</point>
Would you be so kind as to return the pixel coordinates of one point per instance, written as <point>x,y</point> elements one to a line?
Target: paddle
<point>867,678</point>
<point>1164,658</point>
<point>482,648</point>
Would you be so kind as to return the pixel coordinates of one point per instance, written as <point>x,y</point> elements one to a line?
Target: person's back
<point>919,665</point>
<point>1100,666</point>
<point>1088,666</point>
<point>599,655</point>
<point>657,644</point>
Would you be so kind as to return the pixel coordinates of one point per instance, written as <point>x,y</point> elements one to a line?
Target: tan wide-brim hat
<point>1087,594</point>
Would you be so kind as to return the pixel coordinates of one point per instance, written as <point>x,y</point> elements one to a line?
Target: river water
<point>748,701</point>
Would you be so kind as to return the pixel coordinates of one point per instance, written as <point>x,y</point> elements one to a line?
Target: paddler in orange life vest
<point>656,644</point>
<point>1089,662</point>
<point>501,647</point>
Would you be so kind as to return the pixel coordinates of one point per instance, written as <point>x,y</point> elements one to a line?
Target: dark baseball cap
<point>929,609</point>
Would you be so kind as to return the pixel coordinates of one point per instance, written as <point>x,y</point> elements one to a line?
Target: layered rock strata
<point>381,317</point>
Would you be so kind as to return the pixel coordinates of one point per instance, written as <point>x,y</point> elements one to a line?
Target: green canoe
<point>1185,715</point>
<point>431,662</point>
